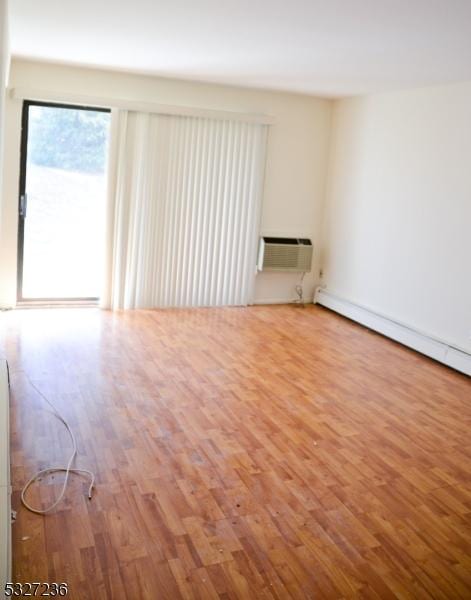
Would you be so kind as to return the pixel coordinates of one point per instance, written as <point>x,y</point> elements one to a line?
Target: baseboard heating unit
<point>439,350</point>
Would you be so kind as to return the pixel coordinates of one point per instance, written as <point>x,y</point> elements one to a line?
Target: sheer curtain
<point>184,207</point>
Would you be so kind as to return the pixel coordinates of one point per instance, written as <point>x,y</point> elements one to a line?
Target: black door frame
<point>22,194</point>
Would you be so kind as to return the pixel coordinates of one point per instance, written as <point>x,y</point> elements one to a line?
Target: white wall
<point>296,153</point>
<point>4,69</point>
<point>397,231</point>
<point>5,492</point>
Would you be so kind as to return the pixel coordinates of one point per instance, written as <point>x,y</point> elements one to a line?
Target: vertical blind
<point>184,211</point>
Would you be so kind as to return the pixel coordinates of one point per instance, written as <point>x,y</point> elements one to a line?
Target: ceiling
<point>324,47</point>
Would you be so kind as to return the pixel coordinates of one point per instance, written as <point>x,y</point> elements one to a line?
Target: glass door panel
<point>62,202</point>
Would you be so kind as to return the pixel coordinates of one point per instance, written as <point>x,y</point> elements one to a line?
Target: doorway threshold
<point>77,303</point>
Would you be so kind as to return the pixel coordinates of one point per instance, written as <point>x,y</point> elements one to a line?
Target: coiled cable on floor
<point>67,469</point>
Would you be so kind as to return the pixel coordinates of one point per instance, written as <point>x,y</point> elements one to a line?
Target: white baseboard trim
<point>290,300</point>
<point>425,344</point>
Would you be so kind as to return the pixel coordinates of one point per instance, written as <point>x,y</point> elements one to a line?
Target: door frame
<point>22,192</point>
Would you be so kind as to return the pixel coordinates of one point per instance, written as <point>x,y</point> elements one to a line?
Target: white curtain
<point>184,209</point>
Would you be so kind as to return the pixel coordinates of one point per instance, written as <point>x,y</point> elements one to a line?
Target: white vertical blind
<point>184,211</point>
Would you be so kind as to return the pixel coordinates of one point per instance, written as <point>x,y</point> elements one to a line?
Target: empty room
<point>235,299</point>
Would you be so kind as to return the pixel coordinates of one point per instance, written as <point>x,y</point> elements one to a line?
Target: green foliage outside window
<point>73,140</point>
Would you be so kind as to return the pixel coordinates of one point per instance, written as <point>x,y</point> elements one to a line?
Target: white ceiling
<point>325,47</point>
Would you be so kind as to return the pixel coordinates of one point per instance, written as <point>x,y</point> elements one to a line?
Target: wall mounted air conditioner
<point>284,254</point>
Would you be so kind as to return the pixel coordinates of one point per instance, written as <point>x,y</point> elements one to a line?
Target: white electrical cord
<point>68,469</point>
<point>300,291</point>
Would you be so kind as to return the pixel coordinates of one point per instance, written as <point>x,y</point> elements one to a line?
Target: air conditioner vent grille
<point>285,254</point>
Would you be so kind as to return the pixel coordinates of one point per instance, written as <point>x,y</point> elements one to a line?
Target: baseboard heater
<point>437,349</point>
<point>5,482</point>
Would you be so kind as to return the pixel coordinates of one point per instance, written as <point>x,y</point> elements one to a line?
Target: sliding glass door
<point>62,202</point>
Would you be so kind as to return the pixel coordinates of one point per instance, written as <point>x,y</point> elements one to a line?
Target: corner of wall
<point>327,187</point>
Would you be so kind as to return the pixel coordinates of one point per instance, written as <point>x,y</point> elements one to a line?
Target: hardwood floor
<point>265,452</point>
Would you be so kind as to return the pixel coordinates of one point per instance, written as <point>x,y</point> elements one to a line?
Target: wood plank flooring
<point>263,452</point>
